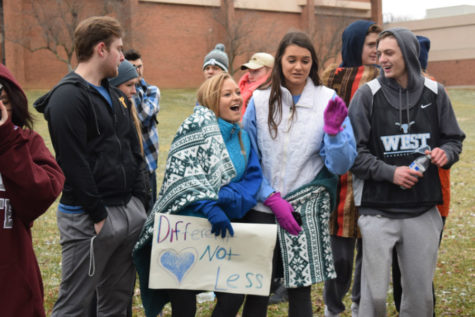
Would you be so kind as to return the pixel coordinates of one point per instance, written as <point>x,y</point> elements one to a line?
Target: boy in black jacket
<point>103,205</point>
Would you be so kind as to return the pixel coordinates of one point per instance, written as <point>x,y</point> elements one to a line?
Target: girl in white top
<point>300,129</point>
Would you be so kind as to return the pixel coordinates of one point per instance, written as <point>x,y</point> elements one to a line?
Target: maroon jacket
<point>30,180</point>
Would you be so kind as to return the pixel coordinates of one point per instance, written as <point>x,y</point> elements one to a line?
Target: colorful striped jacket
<point>345,81</point>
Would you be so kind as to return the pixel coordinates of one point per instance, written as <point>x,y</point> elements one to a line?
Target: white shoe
<point>354,309</point>
<point>328,313</point>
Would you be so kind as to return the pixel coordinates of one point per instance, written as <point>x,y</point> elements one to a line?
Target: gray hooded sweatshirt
<point>368,167</point>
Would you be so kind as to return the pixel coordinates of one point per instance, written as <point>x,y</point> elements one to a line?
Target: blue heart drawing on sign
<point>177,263</point>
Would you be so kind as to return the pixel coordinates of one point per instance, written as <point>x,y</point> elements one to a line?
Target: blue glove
<point>218,219</point>
<point>235,201</point>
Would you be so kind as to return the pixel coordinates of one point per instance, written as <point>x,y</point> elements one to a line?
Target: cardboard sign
<point>186,255</point>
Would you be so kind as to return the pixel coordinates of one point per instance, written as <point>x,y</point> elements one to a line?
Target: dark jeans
<point>183,302</point>
<point>343,257</point>
<point>254,306</point>
<point>300,302</point>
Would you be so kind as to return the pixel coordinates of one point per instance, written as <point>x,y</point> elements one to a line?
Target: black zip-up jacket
<point>96,146</point>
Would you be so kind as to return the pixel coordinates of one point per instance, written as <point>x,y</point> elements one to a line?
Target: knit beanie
<point>217,57</point>
<point>127,72</point>
<point>424,44</point>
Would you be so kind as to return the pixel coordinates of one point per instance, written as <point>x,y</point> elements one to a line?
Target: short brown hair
<point>384,35</point>
<point>92,31</point>
<point>374,29</point>
<point>277,77</point>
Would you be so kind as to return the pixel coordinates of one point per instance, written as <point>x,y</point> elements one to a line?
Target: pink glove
<point>283,213</point>
<point>334,115</point>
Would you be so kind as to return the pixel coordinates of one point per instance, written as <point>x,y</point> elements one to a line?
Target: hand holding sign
<point>186,255</point>
<point>220,222</point>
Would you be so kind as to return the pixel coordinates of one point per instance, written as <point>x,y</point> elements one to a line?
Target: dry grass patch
<point>455,271</point>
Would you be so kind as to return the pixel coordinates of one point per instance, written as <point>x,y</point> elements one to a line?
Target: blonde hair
<point>209,95</point>
<point>374,29</point>
<point>137,124</point>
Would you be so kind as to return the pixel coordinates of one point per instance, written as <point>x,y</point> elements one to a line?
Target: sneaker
<point>328,313</point>
<point>354,309</point>
<point>280,295</point>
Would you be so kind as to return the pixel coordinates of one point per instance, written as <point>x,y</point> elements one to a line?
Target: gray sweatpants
<point>100,262</point>
<point>416,241</point>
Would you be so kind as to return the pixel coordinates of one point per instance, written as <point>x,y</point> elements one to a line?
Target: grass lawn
<point>455,269</point>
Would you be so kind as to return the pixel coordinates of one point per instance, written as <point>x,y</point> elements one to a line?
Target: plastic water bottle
<point>205,297</point>
<point>420,164</point>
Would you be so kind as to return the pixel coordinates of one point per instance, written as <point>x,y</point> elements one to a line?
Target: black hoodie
<point>96,145</point>
<point>352,42</point>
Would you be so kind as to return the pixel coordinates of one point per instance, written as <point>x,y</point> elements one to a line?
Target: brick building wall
<point>452,52</point>
<point>173,55</point>
<point>172,37</point>
<point>454,72</point>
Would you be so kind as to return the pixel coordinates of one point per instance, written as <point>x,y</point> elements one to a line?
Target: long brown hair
<point>277,78</point>
<point>137,124</point>
<point>19,103</point>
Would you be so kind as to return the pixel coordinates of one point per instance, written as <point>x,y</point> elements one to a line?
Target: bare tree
<point>237,33</point>
<point>391,18</point>
<point>50,24</point>
<point>325,24</point>
<point>326,36</point>
<point>324,27</point>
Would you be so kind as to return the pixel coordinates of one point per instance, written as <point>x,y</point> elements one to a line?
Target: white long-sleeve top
<point>301,148</point>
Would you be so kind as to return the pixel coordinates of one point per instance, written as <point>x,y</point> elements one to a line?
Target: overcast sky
<point>416,8</point>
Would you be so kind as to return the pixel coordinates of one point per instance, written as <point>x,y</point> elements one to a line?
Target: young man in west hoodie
<point>358,54</point>
<point>102,209</point>
<point>393,116</point>
<point>30,181</point>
